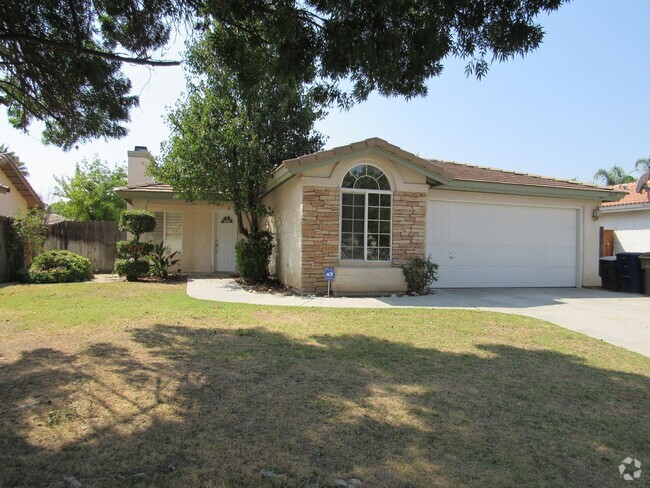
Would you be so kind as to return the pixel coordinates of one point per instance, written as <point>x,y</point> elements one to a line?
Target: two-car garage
<point>483,244</point>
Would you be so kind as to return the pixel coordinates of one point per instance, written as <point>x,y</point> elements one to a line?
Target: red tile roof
<point>632,198</point>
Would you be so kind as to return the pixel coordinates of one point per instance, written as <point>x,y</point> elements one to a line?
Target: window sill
<point>352,263</point>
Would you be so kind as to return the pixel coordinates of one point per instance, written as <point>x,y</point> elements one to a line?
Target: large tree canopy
<point>392,46</point>
<point>60,61</point>
<point>227,137</point>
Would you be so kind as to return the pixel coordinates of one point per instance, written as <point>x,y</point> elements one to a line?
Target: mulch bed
<point>268,286</point>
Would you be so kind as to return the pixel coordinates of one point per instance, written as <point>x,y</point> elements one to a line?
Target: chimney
<point>138,162</point>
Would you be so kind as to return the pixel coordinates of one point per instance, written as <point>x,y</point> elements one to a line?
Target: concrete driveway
<point>621,319</point>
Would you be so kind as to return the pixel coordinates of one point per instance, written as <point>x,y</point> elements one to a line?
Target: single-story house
<point>367,207</point>
<point>16,194</point>
<point>629,219</point>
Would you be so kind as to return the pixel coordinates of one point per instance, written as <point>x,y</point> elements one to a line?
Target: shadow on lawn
<point>210,407</point>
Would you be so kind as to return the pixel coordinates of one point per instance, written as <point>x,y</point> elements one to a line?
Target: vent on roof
<point>141,148</point>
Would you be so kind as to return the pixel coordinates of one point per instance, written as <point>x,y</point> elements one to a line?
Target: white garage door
<point>488,245</point>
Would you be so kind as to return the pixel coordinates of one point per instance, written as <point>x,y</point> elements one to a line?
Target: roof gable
<point>8,166</point>
<point>448,174</point>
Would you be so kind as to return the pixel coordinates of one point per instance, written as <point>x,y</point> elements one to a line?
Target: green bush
<point>132,268</point>
<point>60,267</point>
<point>137,222</point>
<point>253,256</point>
<point>419,274</point>
<point>133,249</point>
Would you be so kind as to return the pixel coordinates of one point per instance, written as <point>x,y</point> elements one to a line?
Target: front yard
<point>136,384</point>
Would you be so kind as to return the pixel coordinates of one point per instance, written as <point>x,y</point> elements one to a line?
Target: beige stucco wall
<point>285,204</point>
<point>631,229</point>
<point>197,231</point>
<point>588,229</point>
<point>11,202</point>
<point>400,177</point>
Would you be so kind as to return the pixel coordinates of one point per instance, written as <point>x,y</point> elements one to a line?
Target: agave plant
<point>162,260</point>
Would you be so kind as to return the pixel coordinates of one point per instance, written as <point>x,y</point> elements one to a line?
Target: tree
<point>389,46</point>
<point>88,194</point>
<point>613,176</point>
<point>60,61</point>
<point>642,165</point>
<point>228,136</point>
<point>22,167</point>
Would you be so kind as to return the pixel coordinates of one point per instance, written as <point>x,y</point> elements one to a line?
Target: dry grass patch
<point>137,384</point>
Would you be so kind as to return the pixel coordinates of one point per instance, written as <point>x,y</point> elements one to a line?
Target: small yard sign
<point>329,274</point>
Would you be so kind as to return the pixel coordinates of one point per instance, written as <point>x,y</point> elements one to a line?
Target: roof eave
<point>8,166</point>
<point>601,195</point>
<point>626,207</point>
<point>130,194</point>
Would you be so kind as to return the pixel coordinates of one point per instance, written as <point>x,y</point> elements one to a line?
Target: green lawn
<point>123,384</point>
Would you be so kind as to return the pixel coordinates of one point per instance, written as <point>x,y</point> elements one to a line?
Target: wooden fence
<point>94,240</point>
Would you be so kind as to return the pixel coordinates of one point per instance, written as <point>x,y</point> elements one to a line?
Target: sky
<point>579,103</point>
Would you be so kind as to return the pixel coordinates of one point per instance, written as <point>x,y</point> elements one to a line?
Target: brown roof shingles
<point>468,172</point>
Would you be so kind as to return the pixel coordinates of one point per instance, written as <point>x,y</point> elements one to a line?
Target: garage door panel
<point>481,245</point>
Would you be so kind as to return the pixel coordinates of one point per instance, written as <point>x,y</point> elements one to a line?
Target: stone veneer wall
<point>320,235</point>
<point>409,233</point>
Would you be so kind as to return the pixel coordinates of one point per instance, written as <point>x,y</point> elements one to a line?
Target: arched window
<point>366,211</point>
<point>226,220</point>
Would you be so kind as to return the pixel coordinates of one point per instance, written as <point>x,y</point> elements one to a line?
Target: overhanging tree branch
<point>84,50</point>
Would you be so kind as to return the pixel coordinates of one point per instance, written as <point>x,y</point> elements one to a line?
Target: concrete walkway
<point>622,319</point>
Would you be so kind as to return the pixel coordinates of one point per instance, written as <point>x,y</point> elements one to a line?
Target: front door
<point>225,238</point>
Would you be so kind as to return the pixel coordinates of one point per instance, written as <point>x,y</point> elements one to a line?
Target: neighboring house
<point>17,194</point>
<point>629,218</point>
<point>366,207</point>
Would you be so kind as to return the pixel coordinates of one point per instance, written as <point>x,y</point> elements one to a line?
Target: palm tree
<point>614,176</point>
<point>642,165</point>
<point>19,164</point>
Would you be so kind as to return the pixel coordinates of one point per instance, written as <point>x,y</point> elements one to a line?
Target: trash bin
<point>609,273</point>
<point>630,275</point>
<point>644,259</point>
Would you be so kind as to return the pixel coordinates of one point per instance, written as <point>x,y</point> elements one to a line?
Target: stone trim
<point>409,225</point>
<point>320,235</point>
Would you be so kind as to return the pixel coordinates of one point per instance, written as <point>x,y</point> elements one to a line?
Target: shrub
<point>31,231</point>
<point>162,261</point>
<point>131,253</point>
<point>137,222</point>
<point>419,274</point>
<point>60,267</point>
<point>133,249</point>
<point>253,256</point>
<point>132,269</point>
